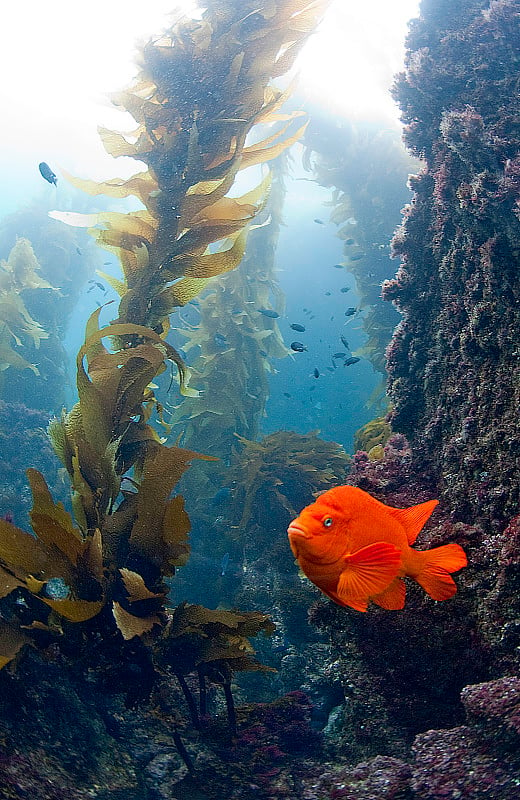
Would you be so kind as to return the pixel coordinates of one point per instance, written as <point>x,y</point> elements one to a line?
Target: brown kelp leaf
<point>50,521</point>
<point>256,154</point>
<point>116,284</point>
<point>8,583</point>
<point>185,290</point>
<point>163,467</point>
<point>74,609</point>
<point>9,357</point>
<point>130,625</point>
<point>135,586</point>
<point>175,529</point>
<point>207,266</point>
<point>11,641</point>
<point>20,551</point>
<point>129,329</point>
<point>91,560</point>
<point>140,185</point>
<point>188,617</point>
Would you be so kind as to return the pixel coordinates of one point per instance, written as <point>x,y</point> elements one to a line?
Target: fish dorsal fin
<point>413,519</point>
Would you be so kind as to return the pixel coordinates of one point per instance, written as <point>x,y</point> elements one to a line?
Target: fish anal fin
<point>393,597</point>
<point>358,603</point>
<point>413,519</point>
<point>368,572</point>
<point>434,576</point>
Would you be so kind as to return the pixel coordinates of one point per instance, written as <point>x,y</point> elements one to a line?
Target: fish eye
<point>327,522</point>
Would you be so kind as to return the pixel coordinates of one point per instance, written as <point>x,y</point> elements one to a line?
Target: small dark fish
<point>319,221</point>
<point>106,263</point>
<point>298,347</point>
<point>316,372</point>
<point>338,266</point>
<point>47,173</point>
<point>287,394</point>
<point>220,340</point>
<point>98,284</point>
<point>357,256</point>
<point>350,361</point>
<point>328,294</point>
<point>344,341</point>
<point>297,327</point>
<point>349,241</point>
<point>268,312</point>
<point>224,564</point>
<point>345,289</point>
<point>339,355</point>
<point>79,251</point>
<point>350,311</point>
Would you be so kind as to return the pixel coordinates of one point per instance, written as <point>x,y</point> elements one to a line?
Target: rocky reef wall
<point>454,360</point>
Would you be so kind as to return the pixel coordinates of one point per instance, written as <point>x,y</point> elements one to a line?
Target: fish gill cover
<point>202,88</point>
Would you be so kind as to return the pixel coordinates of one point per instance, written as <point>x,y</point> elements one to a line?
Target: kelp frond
<point>203,87</point>
<point>203,90</point>
<point>18,273</point>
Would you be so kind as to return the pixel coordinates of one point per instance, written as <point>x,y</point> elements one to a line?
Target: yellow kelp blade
<point>116,284</point>
<point>258,153</point>
<point>185,290</point>
<point>139,185</point>
<point>50,521</point>
<point>75,610</point>
<point>130,625</point>
<point>136,587</point>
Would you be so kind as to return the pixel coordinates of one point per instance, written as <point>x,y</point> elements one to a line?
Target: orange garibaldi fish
<point>357,549</point>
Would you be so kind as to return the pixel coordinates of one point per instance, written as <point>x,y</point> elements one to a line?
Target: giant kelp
<point>235,346</point>
<point>18,273</point>
<point>66,260</point>
<point>129,534</point>
<point>367,169</point>
<point>202,89</point>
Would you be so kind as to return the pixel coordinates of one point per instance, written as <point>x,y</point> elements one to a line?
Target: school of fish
<point>358,550</point>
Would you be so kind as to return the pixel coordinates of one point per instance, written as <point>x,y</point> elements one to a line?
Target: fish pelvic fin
<point>414,519</point>
<point>434,575</point>
<point>367,572</point>
<point>393,596</point>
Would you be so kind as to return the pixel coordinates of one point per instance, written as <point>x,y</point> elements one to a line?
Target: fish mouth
<point>296,530</point>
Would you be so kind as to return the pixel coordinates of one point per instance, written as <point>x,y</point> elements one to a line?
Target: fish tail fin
<point>434,574</point>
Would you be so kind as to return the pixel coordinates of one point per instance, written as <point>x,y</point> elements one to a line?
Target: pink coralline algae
<point>382,777</point>
<point>453,364</point>
<point>477,761</point>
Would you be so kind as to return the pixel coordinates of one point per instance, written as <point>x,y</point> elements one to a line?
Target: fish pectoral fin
<point>393,597</point>
<point>368,572</point>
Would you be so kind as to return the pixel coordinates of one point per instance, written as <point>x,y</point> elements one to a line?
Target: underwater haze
<point>259,391</point>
